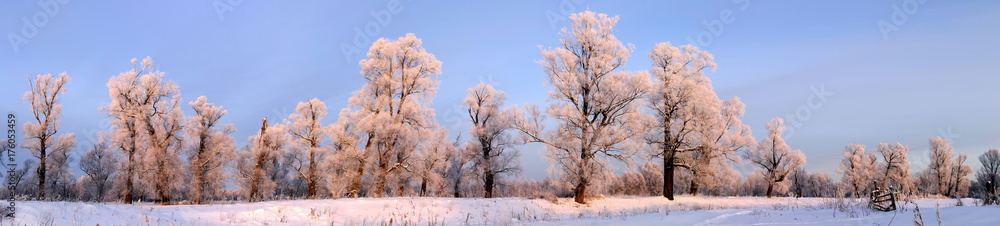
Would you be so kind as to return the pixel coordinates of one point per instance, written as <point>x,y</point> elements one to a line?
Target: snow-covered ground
<point>685,210</point>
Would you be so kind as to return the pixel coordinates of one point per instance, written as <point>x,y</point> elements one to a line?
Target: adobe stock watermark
<point>714,28</point>
<point>900,15</point>
<point>11,165</point>
<point>566,8</point>
<point>225,6</point>
<point>30,25</point>
<point>367,33</point>
<point>817,98</point>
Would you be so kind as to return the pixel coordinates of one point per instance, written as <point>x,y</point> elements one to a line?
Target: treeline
<point>667,124</point>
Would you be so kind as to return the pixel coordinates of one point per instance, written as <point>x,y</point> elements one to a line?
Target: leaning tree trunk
<point>770,188</point>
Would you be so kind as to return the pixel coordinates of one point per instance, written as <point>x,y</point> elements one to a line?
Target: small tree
<point>99,163</point>
<point>989,177</point>
<point>775,159</point>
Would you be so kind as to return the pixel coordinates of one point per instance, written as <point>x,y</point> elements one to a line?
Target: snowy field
<point>685,210</point>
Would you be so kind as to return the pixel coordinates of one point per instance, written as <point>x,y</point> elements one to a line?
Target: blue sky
<point>827,65</point>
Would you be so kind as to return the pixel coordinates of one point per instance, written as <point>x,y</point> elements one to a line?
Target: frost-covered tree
<point>597,107</point>
<point>210,146</point>
<point>391,110</point>
<point>775,159</point>
<point>51,151</point>
<point>490,150</point>
<point>680,94</point>
<point>100,164</point>
<point>430,165</point>
<point>958,183</point>
<point>989,177</point>
<point>164,139</point>
<point>652,173</point>
<point>940,167</point>
<point>146,127</point>
<point>859,168</point>
<point>948,176</point>
<point>256,164</point>
<point>457,170</point>
<point>306,150</point>
<point>894,170</point>
<point>720,134</point>
<point>347,164</point>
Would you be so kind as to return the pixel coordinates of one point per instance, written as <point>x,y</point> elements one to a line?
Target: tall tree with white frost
<point>146,126</point>
<point>958,183</point>
<point>52,152</point>
<point>894,170</point>
<point>597,107</point>
<point>209,148</point>
<point>256,163</point>
<point>306,149</point>
<point>949,176</point>
<point>775,159</point>
<point>859,168</point>
<point>679,95</point>
<point>940,167</point>
<point>164,138</point>
<point>490,141</point>
<point>393,107</point>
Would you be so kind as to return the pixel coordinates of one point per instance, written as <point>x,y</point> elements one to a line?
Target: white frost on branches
<point>210,146</point>
<point>775,159</point>
<point>597,107</point>
<point>52,152</point>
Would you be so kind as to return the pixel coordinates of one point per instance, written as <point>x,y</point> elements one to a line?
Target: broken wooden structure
<point>883,199</point>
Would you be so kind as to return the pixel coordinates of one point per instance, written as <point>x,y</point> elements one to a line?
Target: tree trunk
<point>199,187</point>
<point>41,168</point>
<point>770,188</point>
<point>380,181</point>
<point>668,179</point>
<point>488,186</point>
<point>129,174</point>
<point>312,174</point>
<point>162,183</point>
<point>255,179</point>
<point>423,186</point>
<point>581,191</point>
<point>356,182</point>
